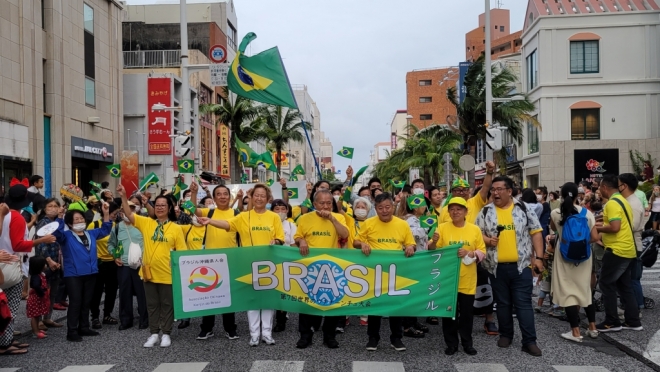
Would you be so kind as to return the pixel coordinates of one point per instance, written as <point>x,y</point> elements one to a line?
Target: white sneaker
<point>268,340</point>
<point>254,341</point>
<point>592,334</point>
<point>165,341</point>
<point>569,336</point>
<point>151,341</point>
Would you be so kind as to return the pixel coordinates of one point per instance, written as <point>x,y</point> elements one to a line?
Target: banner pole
<point>316,162</point>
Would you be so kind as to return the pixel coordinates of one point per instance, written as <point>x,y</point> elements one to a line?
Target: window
<point>231,36</point>
<point>532,138</point>
<point>43,11</point>
<point>585,124</point>
<point>425,99</point>
<point>424,82</point>
<point>532,70</point>
<point>425,117</point>
<point>584,57</point>
<point>90,65</point>
<point>501,28</point>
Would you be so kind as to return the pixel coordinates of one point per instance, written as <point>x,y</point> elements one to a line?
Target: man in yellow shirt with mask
<point>319,229</point>
<point>385,232</point>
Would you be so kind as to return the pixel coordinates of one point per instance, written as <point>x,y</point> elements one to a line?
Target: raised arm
<point>220,224</point>
<point>488,180</point>
<point>128,212</point>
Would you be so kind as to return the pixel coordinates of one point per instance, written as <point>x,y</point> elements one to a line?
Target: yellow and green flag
<point>247,155</point>
<point>270,182</point>
<point>398,184</point>
<point>292,192</point>
<point>115,170</point>
<point>189,206</point>
<point>95,185</point>
<point>262,77</point>
<point>177,188</point>
<point>150,179</point>
<point>416,201</point>
<point>185,166</point>
<point>298,170</point>
<point>346,152</point>
<point>266,160</point>
<point>293,177</point>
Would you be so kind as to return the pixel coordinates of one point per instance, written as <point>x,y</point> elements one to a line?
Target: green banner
<point>325,282</point>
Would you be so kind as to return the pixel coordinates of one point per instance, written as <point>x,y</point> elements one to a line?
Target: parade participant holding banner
<point>319,229</point>
<point>473,251</point>
<point>385,232</point>
<point>161,235</point>
<point>215,239</point>
<point>258,226</point>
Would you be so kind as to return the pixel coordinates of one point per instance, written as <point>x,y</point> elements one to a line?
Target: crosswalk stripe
<point>93,368</point>
<point>277,366</point>
<point>378,366</point>
<point>480,367</point>
<point>9,369</point>
<point>650,271</point>
<point>650,282</point>
<point>178,367</point>
<point>580,369</point>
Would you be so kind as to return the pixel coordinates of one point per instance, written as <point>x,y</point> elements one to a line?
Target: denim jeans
<point>615,277</point>
<point>635,277</point>
<point>514,289</point>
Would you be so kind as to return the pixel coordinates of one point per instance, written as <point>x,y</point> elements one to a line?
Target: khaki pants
<point>160,307</point>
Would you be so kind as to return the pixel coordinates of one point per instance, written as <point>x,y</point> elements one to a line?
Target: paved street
<point>118,351</point>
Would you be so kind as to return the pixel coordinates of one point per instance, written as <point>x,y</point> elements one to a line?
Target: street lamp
<point>489,78</point>
<point>517,97</point>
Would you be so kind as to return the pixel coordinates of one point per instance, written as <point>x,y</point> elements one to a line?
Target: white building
<point>301,153</point>
<point>398,128</point>
<point>592,68</point>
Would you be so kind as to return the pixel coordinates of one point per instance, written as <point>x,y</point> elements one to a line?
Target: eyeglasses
<point>160,206</point>
<point>498,189</point>
<point>460,190</point>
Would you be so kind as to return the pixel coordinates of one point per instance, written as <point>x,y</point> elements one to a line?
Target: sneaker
<point>185,323</point>
<point>398,345</point>
<point>631,327</point>
<point>88,332</point>
<point>151,341</point>
<point>254,341</point>
<point>203,335</point>
<point>372,345</point>
<point>491,329</point>
<point>532,350</point>
<point>165,341</point>
<point>96,324</point>
<point>232,335</point>
<point>569,336</point>
<point>621,313</point>
<point>303,343</point>
<point>604,327</point>
<point>592,334</point>
<point>363,323</point>
<point>537,308</point>
<point>331,343</point>
<point>339,330</point>
<point>268,340</point>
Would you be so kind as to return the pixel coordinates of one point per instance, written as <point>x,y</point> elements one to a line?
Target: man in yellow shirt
<point>385,232</point>
<point>620,254</point>
<point>319,229</point>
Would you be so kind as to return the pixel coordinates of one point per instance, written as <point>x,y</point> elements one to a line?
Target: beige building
<point>60,90</point>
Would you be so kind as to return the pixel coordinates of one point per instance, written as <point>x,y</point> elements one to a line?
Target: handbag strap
<point>627,218</point>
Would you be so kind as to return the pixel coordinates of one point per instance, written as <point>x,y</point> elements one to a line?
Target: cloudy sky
<point>353,55</point>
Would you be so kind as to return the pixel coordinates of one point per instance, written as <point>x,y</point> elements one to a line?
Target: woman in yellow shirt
<point>255,227</point>
<point>161,236</point>
<point>474,248</point>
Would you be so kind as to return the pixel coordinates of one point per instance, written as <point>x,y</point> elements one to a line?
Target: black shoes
<point>532,350</point>
<point>184,324</point>
<point>124,327</point>
<point>96,324</point>
<point>304,342</point>
<point>451,350</point>
<point>87,332</point>
<point>279,327</point>
<point>74,337</point>
<point>398,345</point>
<point>372,345</point>
<point>469,350</point>
<point>504,342</point>
<point>331,343</point>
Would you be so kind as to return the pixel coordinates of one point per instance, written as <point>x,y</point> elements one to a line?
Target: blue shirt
<point>78,259</point>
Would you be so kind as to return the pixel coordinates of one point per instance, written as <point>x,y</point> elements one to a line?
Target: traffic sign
<point>219,73</point>
<point>218,53</point>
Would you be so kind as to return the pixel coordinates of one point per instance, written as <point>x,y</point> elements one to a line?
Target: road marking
<point>276,366</point>
<point>649,271</point>
<point>178,367</point>
<point>94,368</point>
<point>480,367</point>
<point>652,351</point>
<point>580,369</point>
<point>378,366</point>
<point>9,369</point>
<point>650,282</point>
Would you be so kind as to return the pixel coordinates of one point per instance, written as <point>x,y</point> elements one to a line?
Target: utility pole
<point>185,81</point>
<point>489,78</point>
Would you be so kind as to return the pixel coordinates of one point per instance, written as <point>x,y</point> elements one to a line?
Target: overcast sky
<point>353,55</point>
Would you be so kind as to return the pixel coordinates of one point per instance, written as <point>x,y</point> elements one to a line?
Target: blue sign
<point>462,71</point>
<point>218,54</point>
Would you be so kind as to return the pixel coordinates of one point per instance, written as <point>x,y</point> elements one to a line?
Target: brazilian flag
<point>398,185</point>
<point>270,182</point>
<point>428,221</point>
<point>247,156</point>
<point>95,185</point>
<point>298,170</point>
<point>262,77</point>
<point>266,160</point>
<point>293,177</point>
<point>115,170</point>
<point>416,201</point>
<point>346,152</point>
<point>293,193</point>
<point>177,188</point>
<point>185,166</point>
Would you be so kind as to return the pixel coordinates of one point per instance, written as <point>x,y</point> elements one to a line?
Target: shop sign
<point>225,168</point>
<point>591,165</point>
<point>92,150</point>
<point>159,92</point>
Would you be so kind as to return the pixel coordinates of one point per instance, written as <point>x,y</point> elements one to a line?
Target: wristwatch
<point>539,258</point>
<point>284,188</point>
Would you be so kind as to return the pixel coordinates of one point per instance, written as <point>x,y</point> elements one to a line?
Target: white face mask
<point>336,198</point>
<point>245,207</point>
<point>360,213</point>
<point>195,222</point>
<point>539,197</point>
<point>282,216</point>
<point>78,227</point>
<point>144,211</point>
<point>212,206</point>
<point>418,191</point>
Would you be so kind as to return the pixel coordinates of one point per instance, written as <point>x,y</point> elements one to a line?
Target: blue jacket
<point>79,261</point>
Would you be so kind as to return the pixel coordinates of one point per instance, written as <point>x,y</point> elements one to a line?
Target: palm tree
<point>471,112</point>
<point>280,128</point>
<point>244,120</point>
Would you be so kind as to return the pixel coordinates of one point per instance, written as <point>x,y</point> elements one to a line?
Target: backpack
<point>574,244</point>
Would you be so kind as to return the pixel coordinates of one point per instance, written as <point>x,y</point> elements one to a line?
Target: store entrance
<point>11,168</point>
<point>81,173</point>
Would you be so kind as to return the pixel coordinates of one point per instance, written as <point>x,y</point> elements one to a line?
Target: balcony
<point>152,59</point>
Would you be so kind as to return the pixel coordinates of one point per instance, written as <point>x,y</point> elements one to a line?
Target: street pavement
<point>116,351</point>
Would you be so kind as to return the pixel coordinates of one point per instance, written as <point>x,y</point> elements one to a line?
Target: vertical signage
<point>393,144</point>
<point>462,71</point>
<point>225,168</point>
<point>130,169</point>
<point>159,91</point>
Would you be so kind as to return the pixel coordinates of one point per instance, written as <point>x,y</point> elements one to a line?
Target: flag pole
<point>316,162</point>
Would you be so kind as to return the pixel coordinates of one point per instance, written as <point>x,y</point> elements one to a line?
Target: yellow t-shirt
<point>295,213</point>
<point>507,248</point>
<point>393,235</point>
<point>470,236</point>
<point>318,232</point>
<point>474,205</point>
<point>156,254</point>
<point>257,229</point>
<point>102,244</point>
<point>194,236</point>
<point>621,243</point>
<point>219,238</point>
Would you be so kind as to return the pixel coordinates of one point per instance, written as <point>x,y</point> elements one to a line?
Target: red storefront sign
<point>159,91</point>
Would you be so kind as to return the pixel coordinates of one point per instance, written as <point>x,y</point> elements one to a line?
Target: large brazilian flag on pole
<point>326,282</point>
<point>262,77</point>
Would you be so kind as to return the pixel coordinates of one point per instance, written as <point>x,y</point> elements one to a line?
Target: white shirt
<point>637,219</point>
<point>289,231</point>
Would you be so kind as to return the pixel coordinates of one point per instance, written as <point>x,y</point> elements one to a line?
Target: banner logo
<point>204,279</point>
<point>596,166</point>
<point>325,282</point>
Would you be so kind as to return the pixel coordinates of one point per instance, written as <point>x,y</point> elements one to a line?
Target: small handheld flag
<point>149,180</point>
<point>189,206</point>
<point>292,192</point>
<point>398,184</point>
<point>95,185</point>
<point>298,170</point>
<point>359,173</point>
<point>270,182</point>
<point>177,188</point>
<point>244,178</point>
<point>293,177</point>
<point>346,152</point>
<point>115,170</point>
<point>307,204</point>
<point>428,221</point>
<point>416,201</point>
<point>247,156</point>
<point>185,166</point>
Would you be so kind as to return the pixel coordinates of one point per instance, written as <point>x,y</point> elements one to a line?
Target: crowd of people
<point>70,254</point>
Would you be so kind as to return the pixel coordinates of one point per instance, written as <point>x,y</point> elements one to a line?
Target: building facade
<point>399,129</point>
<point>61,90</point>
<point>426,95</point>
<point>593,72</point>
<point>502,40</point>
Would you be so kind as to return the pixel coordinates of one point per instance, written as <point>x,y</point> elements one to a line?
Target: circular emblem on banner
<point>204,279</point>
<point>332,282</point>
